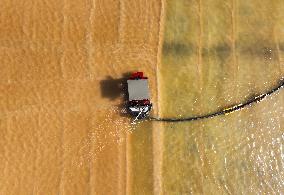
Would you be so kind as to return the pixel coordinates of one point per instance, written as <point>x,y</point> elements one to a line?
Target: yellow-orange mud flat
<point>63,126</point>
<point>63,130</point>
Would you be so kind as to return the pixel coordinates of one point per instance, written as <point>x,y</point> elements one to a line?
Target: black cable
<point>226,110</point>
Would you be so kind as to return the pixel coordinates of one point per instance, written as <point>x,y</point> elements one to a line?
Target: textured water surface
<point>62,119</point>
<point>216,54</point>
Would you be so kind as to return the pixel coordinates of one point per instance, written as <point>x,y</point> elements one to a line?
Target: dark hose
<point>226,110</point>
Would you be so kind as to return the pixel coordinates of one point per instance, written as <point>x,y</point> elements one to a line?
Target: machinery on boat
<point>139,104</point>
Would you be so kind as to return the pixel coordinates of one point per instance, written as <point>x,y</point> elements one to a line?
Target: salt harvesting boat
<point>139,104</point>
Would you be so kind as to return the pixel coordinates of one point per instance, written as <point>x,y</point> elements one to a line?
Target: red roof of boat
<point>137,75</point>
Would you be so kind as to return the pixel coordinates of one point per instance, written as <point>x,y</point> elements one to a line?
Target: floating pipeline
<point>224,111</point>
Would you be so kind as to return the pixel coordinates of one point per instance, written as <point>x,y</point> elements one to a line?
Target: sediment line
<point>158,128</point>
